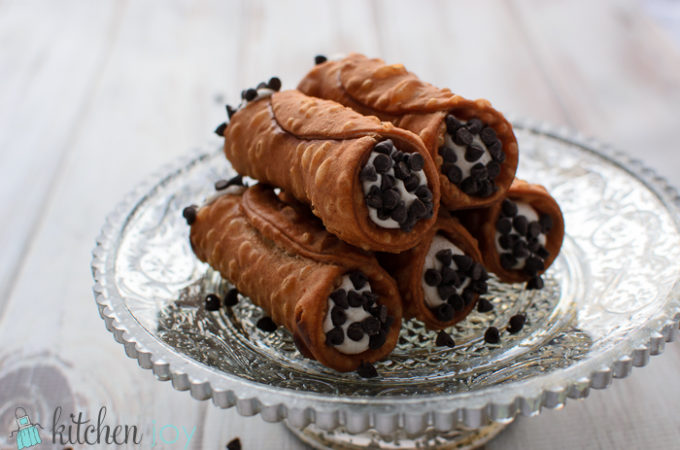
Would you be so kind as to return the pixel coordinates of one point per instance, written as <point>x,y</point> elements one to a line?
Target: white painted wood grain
<point>117,90</point>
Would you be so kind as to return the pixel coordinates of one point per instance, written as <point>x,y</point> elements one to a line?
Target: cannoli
<point>340,305</point>
<point>520,236</point>
<point>440,279</point>
<point>471,143</point>
<point>372,184</point>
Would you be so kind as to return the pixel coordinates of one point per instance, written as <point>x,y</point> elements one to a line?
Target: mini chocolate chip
<point>412,182</point>
<point>504,242</point>
<point>484,306</point>
<point>416,162</point>
<point>478,171</point>
<point>358,279</point>
<point>400,214</point>
<point>338,316</point>
<point>535,283</point>
<point>533,245</point>
<point>369,300</point>
<point>448,154</point>
<point>485,188</point>
<point>473,152</point>
<point>449,276</point>
<point>354,299</point>
<point>371,326</point>
<point>399,156</point>
<point>391,199</point>
<point>220,129</point>
<point>377,340</point>
<point>432,277</point>
<point>534,229</point>
<point>266,324</point>
<point>382,163</point>
<point>463,262</point>
<point>407,225</point>
<point>509,208</point>
<point>488,135</point>
<point>355,332</point>
<point>339,297</point>
<point>384,147</point>
<point>444,312</point>
<point>542,252</point>
<point>444,256</point>
<point>320,59</point>
<point>521,224</point>
<point>384,214</point>
<point>477,272</point>
<point>417,209</point>
<point>533,265</point>
<point>243,93</point>
<point>474,126</point>
<point>469,186</point>
<point>424,193</point>
<point>453,173</point>
<point>212,302</point>
<point>445,291</point>
<point>456,302</point>
<point>468,295</point>
<point>546,223</point>
<point>274,83</point>
<point>367,370</point>
<point>401,170</point>
<point>492,336</point>
<point>231,299</point>
<point>516,323</point>
<point>495,149</point>
<point>250,94</point>
<point>462,136</point>
<point>388,181</point>
<point>230,111</point>
<point>444,339</point>
<point>507,261</point>
<point>261,85</point>
<point>452,124</point>
<point>189,214</point>
<point>368,173</point>
<point>223,184</point>
<point>234,444</point>
<point>520,250</point>
<point>335,336</point>
<point>493,169</point>
<point>374,201</point>
<point>504,225</point>
<point>479,286</point>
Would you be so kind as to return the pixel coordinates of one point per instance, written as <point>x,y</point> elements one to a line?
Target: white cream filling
<point>406,196</point>
<point>231,190</point>
<point>462,164</point>
<point>354,314</point>
<point>526,210</point>
<point>431,262</point>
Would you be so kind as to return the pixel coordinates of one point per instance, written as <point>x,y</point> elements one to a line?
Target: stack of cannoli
<point>379,196</point>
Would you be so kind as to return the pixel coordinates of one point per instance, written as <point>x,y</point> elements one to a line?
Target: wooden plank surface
<point>97,96</point>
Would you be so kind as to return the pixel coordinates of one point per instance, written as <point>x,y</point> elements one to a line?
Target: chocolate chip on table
<point>358,279</point>
<point>368,173</point>
<point>382,163</point>
<point>432,277</point>
<point>355,331</point>
<point>377,340</point>
<point>189,214</point>
<point>339,297</point>
<point>444,312</point>
<point>371,326</point>
<point>266,324</point>
<point>234,444</point>
<point>509,208</point>
<point>448,154</point>
<point>354,299</point>
<point>444,339</point>
<point>320,59</point>
<point>250,94</point>
<point>230,111</point>
<point>231,299</point>
<point>338,316</point>
<point>516,323</point>
<point>220,129</point>
<point>484,305</point>
<point>473,152</point>
<point>535,283</point>
<point>492,336</point>
<point>488,135</point>
<point>212,302</point>
<point>274,83</point>
<point>335,336</point>
<point>504,225</point>
<point>444,256</point>
<point>416,162</point>
<point>367,370</point>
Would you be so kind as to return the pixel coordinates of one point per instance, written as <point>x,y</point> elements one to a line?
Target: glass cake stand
<point>611,299</point>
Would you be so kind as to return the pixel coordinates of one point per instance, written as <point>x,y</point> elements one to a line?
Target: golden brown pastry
<point>471,143</point>
<point>520,236</point>
<point>342,308</point>
<point>441,278</point>
<point>372,184</point>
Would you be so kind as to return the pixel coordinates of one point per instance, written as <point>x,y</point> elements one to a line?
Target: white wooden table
<point>95,96</point>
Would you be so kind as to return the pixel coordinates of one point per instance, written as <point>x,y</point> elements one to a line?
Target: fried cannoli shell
<point>393,94</point>
<point>407,269</point>
<point>284,261</point>
<point>482,224</point>
<point>314,149</point>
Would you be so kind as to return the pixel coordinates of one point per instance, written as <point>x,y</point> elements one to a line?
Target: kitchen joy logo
<point>27,432</point>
